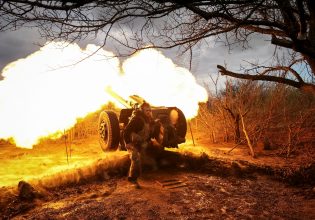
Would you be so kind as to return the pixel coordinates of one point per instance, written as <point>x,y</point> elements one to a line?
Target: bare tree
<point>230,104</point>
<point>138,24</point>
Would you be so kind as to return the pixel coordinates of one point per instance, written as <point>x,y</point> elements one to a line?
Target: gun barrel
<point>136,99</point>
<point>118,97</point>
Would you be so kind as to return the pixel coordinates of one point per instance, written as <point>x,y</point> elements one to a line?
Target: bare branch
<point>269,78</point>
<point>176,23</point>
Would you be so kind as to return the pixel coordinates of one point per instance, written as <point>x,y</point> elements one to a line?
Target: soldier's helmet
<point>145,105</point>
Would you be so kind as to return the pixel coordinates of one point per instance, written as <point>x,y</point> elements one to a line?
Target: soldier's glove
<point>155,142</point>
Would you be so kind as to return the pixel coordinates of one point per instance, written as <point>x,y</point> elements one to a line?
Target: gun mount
<point>111,126</point>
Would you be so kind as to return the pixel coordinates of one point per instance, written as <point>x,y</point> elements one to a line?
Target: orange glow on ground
<point>46,159</point>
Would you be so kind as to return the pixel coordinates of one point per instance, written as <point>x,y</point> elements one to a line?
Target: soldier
<point>137,138</point>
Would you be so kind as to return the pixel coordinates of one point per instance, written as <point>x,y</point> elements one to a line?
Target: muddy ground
<point>204,182</point>
<point>201,196</point>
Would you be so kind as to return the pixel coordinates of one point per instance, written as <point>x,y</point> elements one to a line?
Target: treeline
<point>259,114</point>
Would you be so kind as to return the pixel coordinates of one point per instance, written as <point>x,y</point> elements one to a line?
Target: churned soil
<point>198,182</point>
<point>201,196</point>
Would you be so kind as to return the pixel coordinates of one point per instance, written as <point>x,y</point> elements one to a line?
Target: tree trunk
<point>311,34</point>
<point>226,135</point>
<point>289,147</point>
<point>247,138</point>
<point>237,133</point>
<point>311,62</point>
<point>213,136</point>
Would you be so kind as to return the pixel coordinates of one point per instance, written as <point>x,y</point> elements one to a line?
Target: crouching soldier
<point>137,139</point>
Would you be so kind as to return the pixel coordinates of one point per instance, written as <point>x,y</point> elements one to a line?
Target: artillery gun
<point>111,126</point>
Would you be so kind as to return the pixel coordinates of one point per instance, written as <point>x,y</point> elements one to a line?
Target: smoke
<point>44,93</point>
<point>158,80</point>
<point>39,96</point>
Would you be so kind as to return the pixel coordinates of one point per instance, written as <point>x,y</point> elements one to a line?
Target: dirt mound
<point>115,167</point>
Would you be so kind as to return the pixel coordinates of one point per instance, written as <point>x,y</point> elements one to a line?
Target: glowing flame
<point>160,82</point>
<point>45,92</point>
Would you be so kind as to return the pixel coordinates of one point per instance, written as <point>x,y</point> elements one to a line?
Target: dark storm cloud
<point>17,44</point>
<point>260,50</point>
<point>207,55</point>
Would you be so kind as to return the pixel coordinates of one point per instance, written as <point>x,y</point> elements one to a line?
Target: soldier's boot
<point>134,182</point>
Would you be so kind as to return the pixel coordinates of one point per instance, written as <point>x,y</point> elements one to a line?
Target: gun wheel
<point>178,120</point>
<point>109,133</point>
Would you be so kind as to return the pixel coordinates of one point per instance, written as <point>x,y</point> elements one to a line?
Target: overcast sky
<point>21,43</point>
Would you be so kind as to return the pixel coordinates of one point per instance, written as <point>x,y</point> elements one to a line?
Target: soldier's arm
<point>132,127</point>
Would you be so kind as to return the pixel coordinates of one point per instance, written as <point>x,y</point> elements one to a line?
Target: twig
<point>64,132</point>
<point>192,136</point>
<point>235,146</point>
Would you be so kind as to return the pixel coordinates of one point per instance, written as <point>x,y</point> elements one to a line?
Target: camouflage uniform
<point>137,138</point>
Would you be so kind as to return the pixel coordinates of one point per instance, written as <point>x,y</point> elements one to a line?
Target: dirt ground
<point>201,197</point>
<point>168,193</point>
